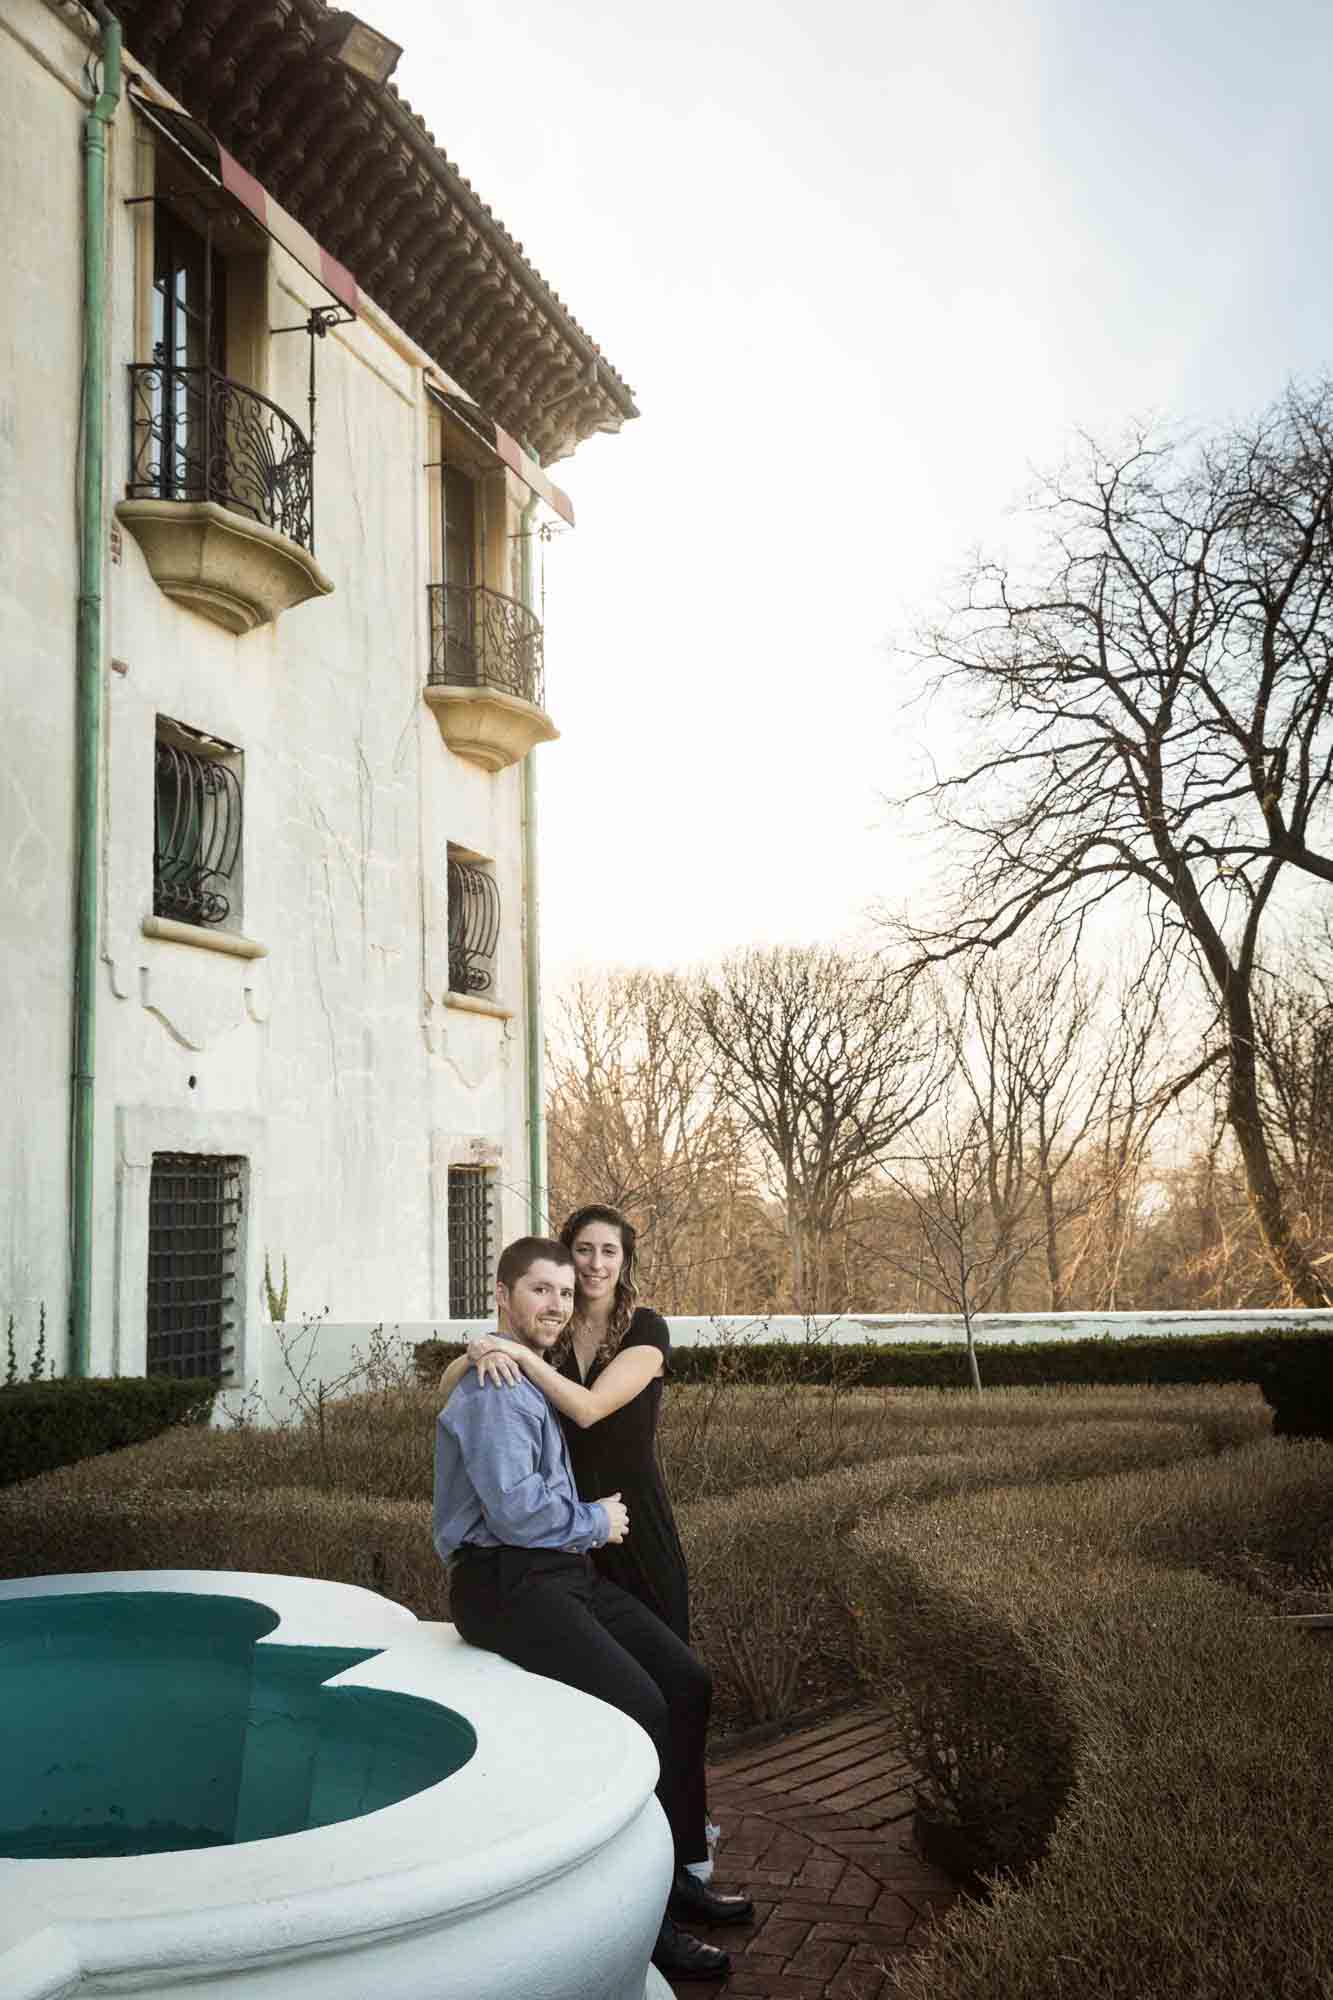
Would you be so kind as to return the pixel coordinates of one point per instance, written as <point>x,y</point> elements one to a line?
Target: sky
<point>867,270</point>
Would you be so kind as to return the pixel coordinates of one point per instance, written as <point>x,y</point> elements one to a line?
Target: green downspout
<point>532,963</point>
<point>88,723</point>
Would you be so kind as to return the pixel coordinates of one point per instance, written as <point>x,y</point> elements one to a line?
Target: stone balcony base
<point>221,564</point>
<point>487,726</point>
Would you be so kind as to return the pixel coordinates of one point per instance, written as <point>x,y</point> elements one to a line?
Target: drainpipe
<point>88,698</point>
<point>532,969</point>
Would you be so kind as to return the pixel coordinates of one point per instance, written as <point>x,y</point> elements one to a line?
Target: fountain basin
<point>274,1785</point>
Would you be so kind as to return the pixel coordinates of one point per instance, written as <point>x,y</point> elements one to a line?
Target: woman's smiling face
<point>599,1257</point>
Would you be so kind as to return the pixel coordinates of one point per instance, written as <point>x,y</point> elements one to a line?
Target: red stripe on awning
<point>245,187</point>
<point>251,194</point>
<point>339,280</point>
<point>514,456</point>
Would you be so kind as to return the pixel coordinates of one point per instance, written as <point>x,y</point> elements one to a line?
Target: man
<point>510,1525</point>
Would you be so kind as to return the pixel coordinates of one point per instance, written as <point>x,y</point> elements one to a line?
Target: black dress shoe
<point>693,1900</point>
<point>677,1955</point>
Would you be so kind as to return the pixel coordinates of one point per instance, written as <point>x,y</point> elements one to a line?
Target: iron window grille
<point>481,638</point>
<point>470,1237</point>
<point>474,927</point>
<point>197,849</point>
<point>194,1211</point>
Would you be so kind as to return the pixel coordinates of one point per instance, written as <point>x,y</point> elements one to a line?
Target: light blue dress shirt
<point>502,1475</point>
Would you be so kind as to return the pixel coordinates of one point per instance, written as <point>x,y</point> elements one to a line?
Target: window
<point>189,313</point>
<point>194,1210</point>
<point>202,427</point>
<point>474,923</point>
<point>197,846</point>
<point>454,602</point>
<point>470,1279</point>
<point>481,634</point>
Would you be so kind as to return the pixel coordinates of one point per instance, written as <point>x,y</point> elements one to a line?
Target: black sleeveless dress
<point>619,1455</point>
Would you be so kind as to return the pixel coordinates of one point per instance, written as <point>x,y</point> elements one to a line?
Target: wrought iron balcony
<point>474,928</point>
<point>480,638</point>
<point>197,435</point>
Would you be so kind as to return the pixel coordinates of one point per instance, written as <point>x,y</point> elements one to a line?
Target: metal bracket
<point>320,320</point>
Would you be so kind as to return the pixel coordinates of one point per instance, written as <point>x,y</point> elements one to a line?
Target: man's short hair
<point>517,1258</point>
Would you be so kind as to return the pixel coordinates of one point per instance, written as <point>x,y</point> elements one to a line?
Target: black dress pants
<point>553,1614</point>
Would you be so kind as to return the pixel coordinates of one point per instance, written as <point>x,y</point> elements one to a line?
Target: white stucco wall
<point>333,1064</point>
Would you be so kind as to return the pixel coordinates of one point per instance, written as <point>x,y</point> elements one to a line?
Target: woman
<point>604,1376</point>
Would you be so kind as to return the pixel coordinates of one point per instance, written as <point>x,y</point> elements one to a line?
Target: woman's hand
<point>492,1357</point>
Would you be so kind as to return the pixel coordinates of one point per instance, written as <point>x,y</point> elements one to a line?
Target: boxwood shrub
<point>44,1424</point>
<point>1078,1692</point>
<point>1297,1380</point>
<point>1142,1358</point>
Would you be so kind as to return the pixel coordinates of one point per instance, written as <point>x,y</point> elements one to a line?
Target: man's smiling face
<point>537,1306</point>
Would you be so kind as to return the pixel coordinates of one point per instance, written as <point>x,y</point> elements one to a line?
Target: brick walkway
<point>817,1828</point>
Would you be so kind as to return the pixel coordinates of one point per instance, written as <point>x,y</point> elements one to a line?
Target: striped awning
<point>507,449</point>
<point>204,152</point>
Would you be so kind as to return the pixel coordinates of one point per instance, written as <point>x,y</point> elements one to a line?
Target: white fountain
<point>262,1787</point>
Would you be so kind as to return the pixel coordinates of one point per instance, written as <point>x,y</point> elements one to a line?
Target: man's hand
<point>617,1513</point>
<point>491,1358</point>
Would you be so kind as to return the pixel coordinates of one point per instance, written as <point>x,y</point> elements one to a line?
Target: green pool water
<point>142,1722</point>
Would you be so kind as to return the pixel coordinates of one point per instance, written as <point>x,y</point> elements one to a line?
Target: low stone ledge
<point>477,1003</point>
<point>229,942</point>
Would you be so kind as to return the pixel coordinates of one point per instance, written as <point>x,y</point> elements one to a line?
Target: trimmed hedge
<point>48,1527</point>
<point>1205,1357</point>
<point>773,1590</point>
<point>1297,1381</point>
<point>45,1424</point>
<point>1074,1696</point>
<point>714,1440</point>
<point>1142,1358</point>
<point>430,1358</point>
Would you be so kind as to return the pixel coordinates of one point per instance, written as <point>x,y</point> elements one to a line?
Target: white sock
<point>702,1871</point>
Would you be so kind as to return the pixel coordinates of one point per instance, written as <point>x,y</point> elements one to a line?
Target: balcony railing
<point>480,638</point>
<point>197,435</point>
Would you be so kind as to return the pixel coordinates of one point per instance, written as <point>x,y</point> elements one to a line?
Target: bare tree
<point>1023,1034</point>
<point>634,1121</point>
<point>944,1177</point>
<point>828,1057</point>
<point>1294,1025</point>
<point>1155,708</point>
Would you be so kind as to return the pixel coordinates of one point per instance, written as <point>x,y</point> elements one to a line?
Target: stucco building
<point>277,396</point>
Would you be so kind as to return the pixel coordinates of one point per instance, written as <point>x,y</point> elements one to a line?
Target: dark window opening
<point>470,1295</point>
<point>194,1210</point>
<point>456,602</point>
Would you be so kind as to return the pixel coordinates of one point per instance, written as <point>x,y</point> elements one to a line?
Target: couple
<point>519,1540</point>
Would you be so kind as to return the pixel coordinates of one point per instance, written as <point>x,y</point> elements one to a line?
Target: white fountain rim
<point>555,1777</point>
